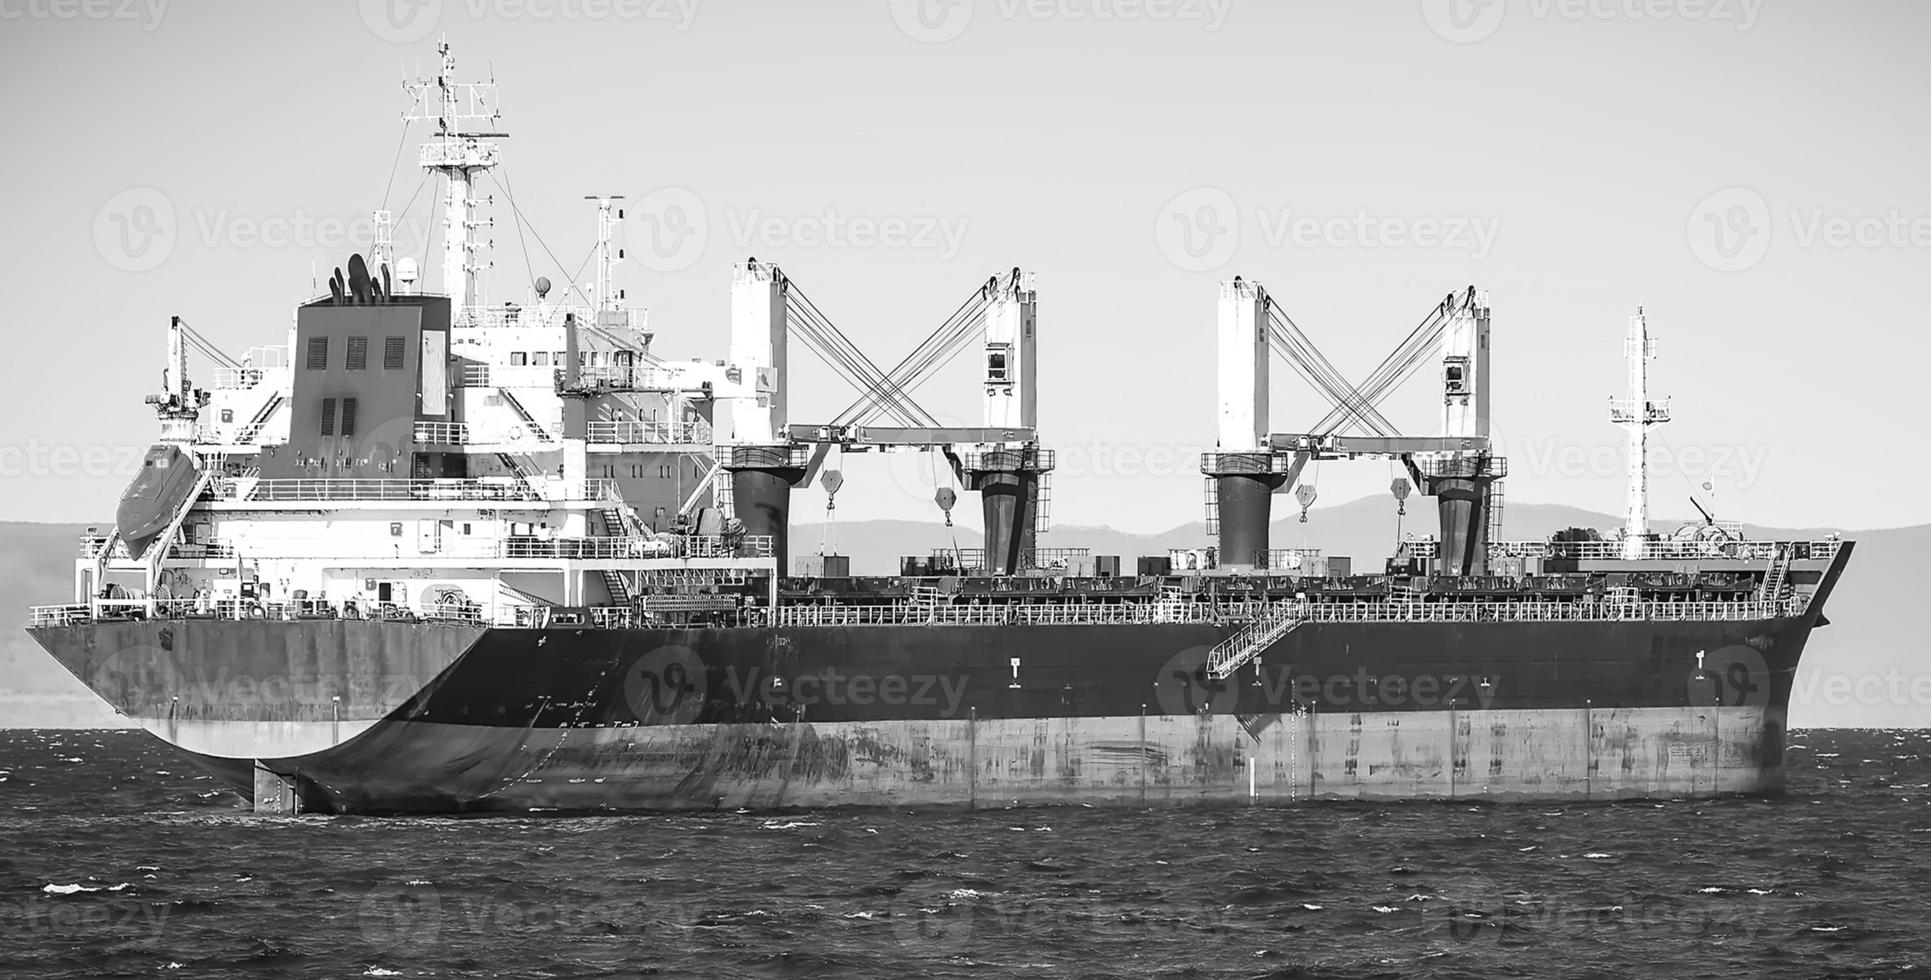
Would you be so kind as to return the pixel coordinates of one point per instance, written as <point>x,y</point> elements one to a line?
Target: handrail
<point>901,614</point>
<point>696,433</point>
<point>1661,550</point>
<point>1072,614</point>
<point>324,490</point>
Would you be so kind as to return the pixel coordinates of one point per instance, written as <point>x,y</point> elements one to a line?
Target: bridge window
<point>392,353</point>
<point>318,353</point>
<point>358,356</point>
<point>540,359</point>
<point>348,416</point>
<point>519,359</point>
<point>328,416</point>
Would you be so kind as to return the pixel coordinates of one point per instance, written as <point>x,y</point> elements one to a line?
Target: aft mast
<point>1636,414</point>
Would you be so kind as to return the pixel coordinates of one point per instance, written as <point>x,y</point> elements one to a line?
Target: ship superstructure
<point>438,554</point>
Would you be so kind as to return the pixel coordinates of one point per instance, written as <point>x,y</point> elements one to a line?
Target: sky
<point>1751,174</point>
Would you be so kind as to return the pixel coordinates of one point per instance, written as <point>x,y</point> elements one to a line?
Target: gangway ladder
<point>522,479</point>
<point>1775,578</point>
<point>249,433</point>
<point>1238,650</point>
<point>614,526</point>
<point>530,423</point>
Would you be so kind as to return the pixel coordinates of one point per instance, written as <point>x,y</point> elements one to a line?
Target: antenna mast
<point>1636,414</point>
<point>459,156</point>
<point>609,300</point>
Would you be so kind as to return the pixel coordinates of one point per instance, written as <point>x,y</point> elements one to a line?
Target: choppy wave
<point>129,862</point>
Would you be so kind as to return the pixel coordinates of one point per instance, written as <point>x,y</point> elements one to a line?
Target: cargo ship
<point>433,554</point>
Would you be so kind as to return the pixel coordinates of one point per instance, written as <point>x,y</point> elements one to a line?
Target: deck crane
<point>1251,462</point>
<point>767,455</point>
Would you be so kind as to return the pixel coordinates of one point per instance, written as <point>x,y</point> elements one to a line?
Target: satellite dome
<point>406,270</point>
<point>542,286</point>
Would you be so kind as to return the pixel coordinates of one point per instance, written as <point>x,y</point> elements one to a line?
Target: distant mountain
<point>1364,530</point>
<point>1879,653</point>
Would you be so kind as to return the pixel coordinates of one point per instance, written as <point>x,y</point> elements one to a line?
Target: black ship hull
<point>384,717</point>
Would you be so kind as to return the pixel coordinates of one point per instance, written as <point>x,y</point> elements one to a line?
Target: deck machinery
<point>437,555</point>
<point>1251,463</point>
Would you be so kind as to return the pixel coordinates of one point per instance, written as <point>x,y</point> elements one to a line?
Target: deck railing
<point>651,433</point>
<point>341,490</point>
<point>1315,612</point>
<point>1027,614</point>
<point>1666,550</point>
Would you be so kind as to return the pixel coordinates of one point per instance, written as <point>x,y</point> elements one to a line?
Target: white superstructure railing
<point>696,433</point>
<point>350,490</point>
